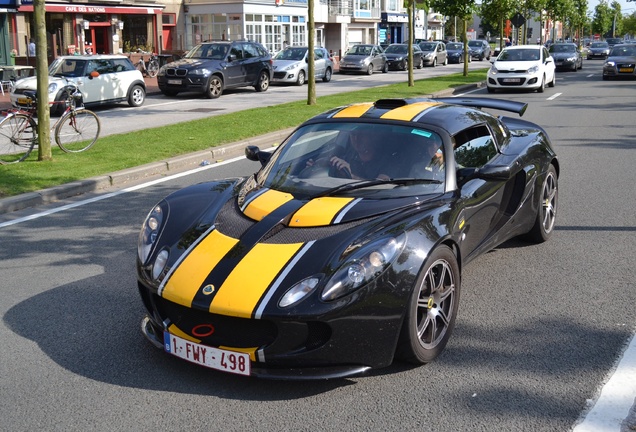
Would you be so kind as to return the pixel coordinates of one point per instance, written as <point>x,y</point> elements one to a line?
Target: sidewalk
<point>151,88</point>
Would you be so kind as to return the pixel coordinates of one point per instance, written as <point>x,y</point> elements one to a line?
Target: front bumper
<point>593,55</point>
<point>514,81</point>
<point>196,83</point>
<point>620,70</point>
<point>396,64</point>
<point>287,77</point>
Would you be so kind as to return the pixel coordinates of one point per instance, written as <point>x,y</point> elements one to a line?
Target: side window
<point>122,65</point>
<point>237,51</point>
<point>250,51</point>
<point>474,147</point>
<point>319,54</point>
<point>102,66</point>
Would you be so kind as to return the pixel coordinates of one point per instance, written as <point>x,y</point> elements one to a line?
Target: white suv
<point>102,79</point>
<point>522,67</point>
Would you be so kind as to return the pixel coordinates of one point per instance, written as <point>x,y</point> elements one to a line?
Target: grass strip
<point>117,152</point>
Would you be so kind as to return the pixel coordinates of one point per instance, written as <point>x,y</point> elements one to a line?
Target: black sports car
<point>345,250</point>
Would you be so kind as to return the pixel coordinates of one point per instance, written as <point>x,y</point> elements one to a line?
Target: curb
<point>165,167</point>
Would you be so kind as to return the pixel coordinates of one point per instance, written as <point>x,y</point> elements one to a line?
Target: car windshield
<point>599,45</point>
<point>563,48</point>
<point>360,50</point>
<point>67,67</point>
<point>296,53</point>
<point>454,46</point>
<point>209,51</point>
<point>396,49</point>
<point>361,159</point>
<point>475,44</point>
<point>427,46</point>
<point>626,50</point>
<point>521,54</point>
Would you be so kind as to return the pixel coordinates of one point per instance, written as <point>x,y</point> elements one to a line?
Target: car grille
<point>502,82</point>
<point>176,72</point>
<point>280,75</point>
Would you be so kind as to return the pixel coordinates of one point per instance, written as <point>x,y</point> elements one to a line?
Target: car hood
<point>396,55</point>
<point>622,59</point>
<point>515,65</point>
<point>192,63</point>
<point>238,232</point>
<point>599,49</point>
<point>354,58</point>
<point>31,83</point>
<point>279,64</point>
<point>563,55</point>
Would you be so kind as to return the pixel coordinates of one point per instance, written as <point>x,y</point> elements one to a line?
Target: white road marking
<point>554,96</point>
<point>616,397</point>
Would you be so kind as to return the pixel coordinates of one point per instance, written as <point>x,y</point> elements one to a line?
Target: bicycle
<point>76,130</point>
<point>153,65</point>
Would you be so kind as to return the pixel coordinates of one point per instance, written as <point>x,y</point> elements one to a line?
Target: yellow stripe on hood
<point>355,111</point>
<point>195,268</point>
<point>266,203</point>
<point>318,212</point>
<point>244,287</point>
<point>408,112</point>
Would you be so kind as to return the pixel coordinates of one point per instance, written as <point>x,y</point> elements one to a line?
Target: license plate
<point>628,70</point>
<point>512,80</point>
<point>24,101</point>
<point>175,82</point>
<point>213,358</point>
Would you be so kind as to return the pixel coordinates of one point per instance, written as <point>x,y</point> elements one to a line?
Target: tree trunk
<point>42,71</point>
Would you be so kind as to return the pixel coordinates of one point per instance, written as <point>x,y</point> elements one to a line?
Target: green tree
<point>460,8</point>
<point>603,18</point>
<point>42,68</point>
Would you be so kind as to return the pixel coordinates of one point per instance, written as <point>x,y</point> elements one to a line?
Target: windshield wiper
<point>368,183</point>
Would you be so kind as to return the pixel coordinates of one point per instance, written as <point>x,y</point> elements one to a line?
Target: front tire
<point>432,309</point>
<point>214,88</point>
<point>385,68</point>
<point>301,78</point>
<point>542,86</point>
<point>547,208</point>
<point>370,69</point>
<point>137,96</point>
<point>263,82</point>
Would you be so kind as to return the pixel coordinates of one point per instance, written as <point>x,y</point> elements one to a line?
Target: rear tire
<point>263,82</point>
<point>18,135</point>
<point>432,308</point>
<point>328,74</point>
<point>137,96</point>
<point>547,209</point>
<point>77,131</point>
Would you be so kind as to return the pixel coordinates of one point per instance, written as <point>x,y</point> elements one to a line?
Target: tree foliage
<point>460,8</point>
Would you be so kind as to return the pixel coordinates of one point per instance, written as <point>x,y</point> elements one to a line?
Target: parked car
<point>212,67</point>
<point>434,53</point>
<point>522,67</point>
<point>479,49</point>
<point>291,65</point>
<point>598,50</point>
<point>621,62</point>
<point>397,55</point>
<point>455,52</point>
<point>364,58</point>
<point>566,56</point>
<point>317,267</point>
<point>102,79</point>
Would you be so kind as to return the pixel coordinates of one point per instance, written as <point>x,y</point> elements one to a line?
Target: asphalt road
<point>539,331</point>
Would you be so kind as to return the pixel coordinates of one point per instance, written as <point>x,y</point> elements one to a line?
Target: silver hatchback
<point>291,65</point>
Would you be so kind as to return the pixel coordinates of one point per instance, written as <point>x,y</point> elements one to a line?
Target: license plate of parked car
<point>213,358</point>
<point>24,101</point>
<point>629,70</point>
<point>512,80</point>
<point>175,82</point>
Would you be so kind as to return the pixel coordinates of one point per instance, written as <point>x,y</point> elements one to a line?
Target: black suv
<point>211,67</point>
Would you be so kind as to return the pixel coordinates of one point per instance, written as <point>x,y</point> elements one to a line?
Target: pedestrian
<point>32,48</point>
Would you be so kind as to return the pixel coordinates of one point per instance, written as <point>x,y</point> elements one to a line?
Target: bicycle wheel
<point>77,130</point>
<point>18,134</point>
<point>153,68</point>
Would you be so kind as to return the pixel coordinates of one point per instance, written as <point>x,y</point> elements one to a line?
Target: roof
<point>92,57</point>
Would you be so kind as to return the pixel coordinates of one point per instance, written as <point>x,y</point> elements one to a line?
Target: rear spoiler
<point>479,102</point>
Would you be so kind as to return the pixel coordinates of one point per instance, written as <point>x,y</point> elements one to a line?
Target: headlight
<point>291,67</point>
<point>571,59</point>
<point>199,71</point>
<point>493,70</point>
<point>399,58</point>
<point>533,69</point>
<point>368,262</point>
<point>150,232</point>
<point>610,64</point>
<point>53,87</point>
<point>429,55</point>
<point>298,292</point>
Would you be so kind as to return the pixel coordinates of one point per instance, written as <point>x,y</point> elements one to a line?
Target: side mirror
<point>231,57</point>
<point>255,154</point>
<point>93,74</point>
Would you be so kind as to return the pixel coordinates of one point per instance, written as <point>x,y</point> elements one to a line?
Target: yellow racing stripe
<point>191,273</point>
<point>244,287</point>
<point>318,212</point>
<point>265,203</point>
<point>355,111</point>
<point>173,329</point>
<point>408,112</point>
